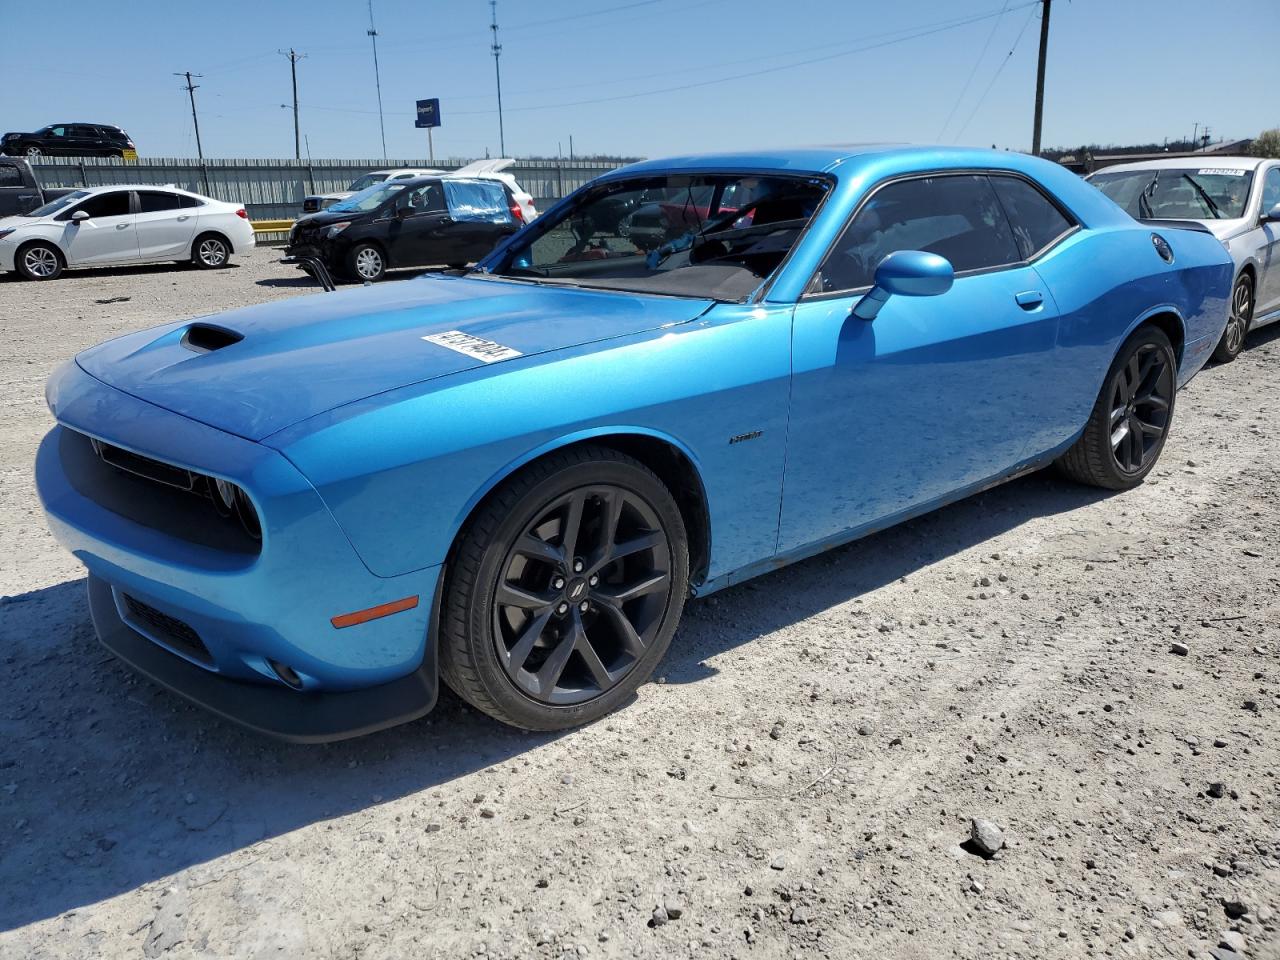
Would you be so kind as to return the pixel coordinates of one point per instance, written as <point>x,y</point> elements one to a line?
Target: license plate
<point>130,155</point>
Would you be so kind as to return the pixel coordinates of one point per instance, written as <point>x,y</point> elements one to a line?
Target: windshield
<point>53,206</point>
<point>1178,193</point>
<point>715,236</point>
<point>366,201</point>
<point>367,181</point>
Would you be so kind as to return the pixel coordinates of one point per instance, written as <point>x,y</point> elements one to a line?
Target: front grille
<point>141,466</point>
<point>168,630</point>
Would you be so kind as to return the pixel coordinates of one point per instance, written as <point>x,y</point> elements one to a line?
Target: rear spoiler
<point>1194,225</point>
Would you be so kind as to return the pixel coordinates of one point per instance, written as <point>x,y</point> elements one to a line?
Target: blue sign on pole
<point>428,113</point>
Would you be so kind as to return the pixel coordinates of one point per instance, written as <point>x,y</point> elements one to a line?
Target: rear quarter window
<point>1036,220</point>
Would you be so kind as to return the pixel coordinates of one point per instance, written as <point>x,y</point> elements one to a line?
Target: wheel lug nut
<point>563,608</point>
<point>584,606</point>
<point>595,579</point>
<point>557,583</point>
<point>577,566</point>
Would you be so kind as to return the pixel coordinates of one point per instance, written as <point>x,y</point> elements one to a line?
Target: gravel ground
<point>799,782</point>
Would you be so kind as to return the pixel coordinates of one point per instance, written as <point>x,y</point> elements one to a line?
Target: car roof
<point>1201,161</point>
<point>420,171</point>
<point>163,188</point>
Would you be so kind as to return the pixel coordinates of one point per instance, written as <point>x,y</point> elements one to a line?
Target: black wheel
<point>1238,321</point>
<point>39,261</point>
<point>366,263</point>
<point>564,590</point>
<point>210,251</point>
<point>1131,418</point>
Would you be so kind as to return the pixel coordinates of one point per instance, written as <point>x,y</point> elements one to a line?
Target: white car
<point>112,226</point>
<point>485,169</point>
<point>1238,200</point>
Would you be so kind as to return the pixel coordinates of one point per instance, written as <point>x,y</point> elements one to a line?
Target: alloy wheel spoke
<point>632,591</point>
<point>1132,378</point>
<point>519,653</point>
<point>1135,442</point>
<point>512,595</point>
<point>572,525</point>
<point>530,546</point>
<point>632,642</point>
<point>1118,436</point>
<point>549,673</point>
<point>599,673</point>
<point>637,544</point>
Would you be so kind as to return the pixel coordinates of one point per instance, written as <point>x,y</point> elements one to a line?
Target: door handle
<point>26,196</point>
<point>186,216</point>
<point>1029,299</point>
<point>122,226</point>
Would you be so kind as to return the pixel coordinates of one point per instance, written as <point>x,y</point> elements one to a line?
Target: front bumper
<point>247,612</point>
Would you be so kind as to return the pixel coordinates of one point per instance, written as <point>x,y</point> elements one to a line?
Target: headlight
<point>337,228</point>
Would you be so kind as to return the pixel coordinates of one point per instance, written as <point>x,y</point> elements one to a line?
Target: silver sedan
<point>1238,199</point>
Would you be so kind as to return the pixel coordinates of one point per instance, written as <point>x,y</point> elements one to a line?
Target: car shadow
<point>140,270</point>
<point>108,782</point>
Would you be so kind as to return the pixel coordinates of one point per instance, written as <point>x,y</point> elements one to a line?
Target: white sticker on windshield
<point>475,347</point>
<point>1221,172</point>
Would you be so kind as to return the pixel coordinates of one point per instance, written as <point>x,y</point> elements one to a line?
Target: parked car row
<point>305,515</point>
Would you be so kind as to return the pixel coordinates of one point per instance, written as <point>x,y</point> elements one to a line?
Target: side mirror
<point>79,216</point>
<point>1273,214</point>
<point>906,273</point>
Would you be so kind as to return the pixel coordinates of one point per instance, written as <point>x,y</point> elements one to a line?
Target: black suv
<point>69,140</point>
<point>421,222</point>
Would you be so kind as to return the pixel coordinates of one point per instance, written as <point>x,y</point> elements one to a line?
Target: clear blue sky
<point>1119,71</point>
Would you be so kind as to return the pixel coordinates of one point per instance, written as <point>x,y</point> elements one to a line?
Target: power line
<point>994,77</point>
<point>377,79</point>
<point>191,92</point>
<point>972,73</point>
<point>293,73</point>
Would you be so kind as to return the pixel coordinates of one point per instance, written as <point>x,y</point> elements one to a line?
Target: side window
<point>1036,221</point>
<point>80,130</point>
<point>9,176</point>
<point>114,204</point>
<point>957,217</point>
<point>184,201</point>
<point>153,201</point>
<point>1271,189</point>
<point>56,132</point>
<point>424,199</point>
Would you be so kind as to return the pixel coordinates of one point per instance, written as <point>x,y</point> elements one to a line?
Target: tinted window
<point>78,130</point>
<point>1036,221</point>
<point>153,202</point>
<point>114,204</point>
<point>9,176</point>
<point>957,217</point>
<point>424,199</point>
<point>1271,189</point>
<point>185,201</point>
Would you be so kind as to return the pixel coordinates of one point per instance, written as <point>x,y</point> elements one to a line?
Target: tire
<point>32,151</point>
<point>1130,420</point>
<point>39,261</point>
<point>366,263</point>
<point>542,640</point>
<point>210,251</point>
<point>1239,320</point>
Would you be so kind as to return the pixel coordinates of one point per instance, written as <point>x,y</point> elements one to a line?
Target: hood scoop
<point>206,338</point>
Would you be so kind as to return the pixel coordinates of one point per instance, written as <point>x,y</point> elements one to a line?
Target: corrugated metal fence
<point>273,189</point>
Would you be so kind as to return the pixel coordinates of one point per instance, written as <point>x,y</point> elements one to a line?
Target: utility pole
<point>377,79</point>
<point>1044,52</point>
<point>497,72</point>
<point>191,92</point>
<point>293,71</point>
<point>1195,135</point>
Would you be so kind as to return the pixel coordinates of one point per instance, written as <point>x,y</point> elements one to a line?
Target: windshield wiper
<point>1208,200</point>
<point>1144,197</point>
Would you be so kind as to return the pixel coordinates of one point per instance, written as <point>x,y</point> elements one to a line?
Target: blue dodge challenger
<point>302,515</point>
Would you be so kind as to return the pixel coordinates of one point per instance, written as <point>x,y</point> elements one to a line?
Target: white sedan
<point>112,226</point>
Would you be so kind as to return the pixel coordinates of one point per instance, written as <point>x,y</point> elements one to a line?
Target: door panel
<point>164,228</point>
<point>1268,294</point>
<point>108,236</point>
<point>935,395</point>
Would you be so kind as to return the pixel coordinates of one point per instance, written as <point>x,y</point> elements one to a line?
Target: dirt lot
<point>798,783</point>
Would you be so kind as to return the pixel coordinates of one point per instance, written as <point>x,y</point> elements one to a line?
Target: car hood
<point>326,217</point>
<point>257,370</point>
